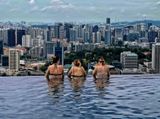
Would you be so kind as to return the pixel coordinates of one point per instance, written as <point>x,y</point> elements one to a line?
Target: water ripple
<point>125,96</point>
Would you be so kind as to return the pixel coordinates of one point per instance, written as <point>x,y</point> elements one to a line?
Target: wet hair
<point>55,59</point>
<point>101,60</point>
<point>77,62</point>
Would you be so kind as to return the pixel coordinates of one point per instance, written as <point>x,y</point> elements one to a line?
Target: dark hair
<point>55,59</point>
<point>77,62</point>
<point>101,58</point>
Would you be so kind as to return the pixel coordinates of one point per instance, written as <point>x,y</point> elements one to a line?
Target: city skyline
<point>78,11</point>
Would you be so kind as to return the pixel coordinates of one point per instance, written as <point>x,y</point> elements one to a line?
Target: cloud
<point>79,10</point>
<point>31,2</point>
<point>34,8</point>
<point>1,1</point>
<point>158,3</point>
<point>61,4</point>
<point>46,8</point>
<point>57,4</point>
<point>92,8</point>
<point>123,10</point>
<point>13,10</point>
<point>4,2</point>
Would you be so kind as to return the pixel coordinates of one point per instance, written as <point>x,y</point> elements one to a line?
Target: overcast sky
<point>78,10</point>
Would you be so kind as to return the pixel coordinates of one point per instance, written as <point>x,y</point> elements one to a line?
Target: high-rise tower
<point>156,57</point>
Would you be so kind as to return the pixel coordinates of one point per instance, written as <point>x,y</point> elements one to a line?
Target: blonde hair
<point>77,62</point>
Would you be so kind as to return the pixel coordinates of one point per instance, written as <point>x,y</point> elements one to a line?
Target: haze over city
<point>78,10</point>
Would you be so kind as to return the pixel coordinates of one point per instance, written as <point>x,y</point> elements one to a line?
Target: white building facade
<point>14,59</point>
<point>129,60</point>
<point>27,41</point>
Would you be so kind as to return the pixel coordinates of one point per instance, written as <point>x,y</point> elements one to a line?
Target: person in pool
<point>76,70</point>
<point>77,74</point>
<point>55,72</point>
<point>101,70</point>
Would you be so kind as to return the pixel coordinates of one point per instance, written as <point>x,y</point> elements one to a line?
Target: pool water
<point>124,97</point>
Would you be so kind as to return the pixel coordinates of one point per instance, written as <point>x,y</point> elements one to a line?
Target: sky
<point>78,10</point>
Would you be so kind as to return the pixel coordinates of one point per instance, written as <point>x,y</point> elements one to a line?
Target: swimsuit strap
<point>55,74</point>
<point>76,76</point>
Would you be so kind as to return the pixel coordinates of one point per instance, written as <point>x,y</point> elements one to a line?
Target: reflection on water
<point>77,83</point>
<point>56,90</point>
<point>101,83</point>
<point>122,97</point>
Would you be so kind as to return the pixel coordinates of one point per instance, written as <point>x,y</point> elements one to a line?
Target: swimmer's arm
<point>94,73</point>
<point>108,72</point>
<point>62,72</point>
<point>47,74</point>
<point>84,71</point>
<point>69,73</point>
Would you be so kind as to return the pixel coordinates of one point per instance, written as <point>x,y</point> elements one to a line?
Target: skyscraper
<point>3,35</point>
<point>129,60</point>
<point>108,21</point>
<point>62,33</point>
<point>94,37</point>
<point>98,37</point>
<point>159,34</point>
<point>1,49</point>
<point>49,48</point>
<point>95,28</point>
<point>4,59</point>
<point>73,34</point>
<point>49,34</point>
<point>14,59</point>
<point>80,31</point>
<point>118,34</point>
<point>11,38</point>
<point>59,51</point>
<point>152,35</point>
<point>39,41</point>
<point>107,36</point>
<point>19,34</point>
<point>86,37</point>
<point>27,41</point>
<point>56,30</point>
<point>156,57</point>
<point>67,28</point>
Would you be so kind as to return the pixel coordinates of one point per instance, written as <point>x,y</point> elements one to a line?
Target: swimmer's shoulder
<point>60,66</point>
<point>50,66</point>
<point>107,66</point>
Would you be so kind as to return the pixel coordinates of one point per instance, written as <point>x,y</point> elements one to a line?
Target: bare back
<point>55,72</point>
<point>77,71</point>
<point>55,69</point>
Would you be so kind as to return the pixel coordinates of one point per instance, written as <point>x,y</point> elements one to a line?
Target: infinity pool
<point>124,97</point>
